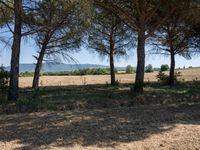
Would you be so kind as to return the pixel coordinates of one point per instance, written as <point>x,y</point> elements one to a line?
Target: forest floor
<point>101,117</point>
<point>135,128</point>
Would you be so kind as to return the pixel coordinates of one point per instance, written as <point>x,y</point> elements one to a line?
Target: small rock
<point>161,145</point>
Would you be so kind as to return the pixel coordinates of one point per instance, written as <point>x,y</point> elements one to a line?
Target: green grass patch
<point>105,96</point>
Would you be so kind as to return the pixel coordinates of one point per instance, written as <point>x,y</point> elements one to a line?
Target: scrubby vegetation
<point>104,96</point>
<point>149,68</point>
<point>87,71</point>
<point>164,67</point>
<point>165,79</point>
<point>129,69</point>
<point>4,78</point>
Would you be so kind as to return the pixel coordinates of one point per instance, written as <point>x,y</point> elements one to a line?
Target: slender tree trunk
<point>13,93</point>
<point>172,68</point>
<point>139,80</point>
<point>111,53</point>
<point>112,68</point>
<point>38,67</point>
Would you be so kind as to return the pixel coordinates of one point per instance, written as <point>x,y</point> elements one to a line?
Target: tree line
<point>110,28</point>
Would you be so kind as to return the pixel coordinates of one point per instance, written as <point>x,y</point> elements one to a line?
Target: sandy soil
<point>172,128</point>
<point>187,75</point>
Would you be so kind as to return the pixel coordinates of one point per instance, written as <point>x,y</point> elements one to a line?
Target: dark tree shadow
<point>102,128</point>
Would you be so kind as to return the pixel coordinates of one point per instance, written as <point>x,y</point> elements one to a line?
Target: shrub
<point>149,68</point>
<point>164,67</point>
<point>25,104</point>
<point>163,78</point>
<point>117,83</point>
<point>4,78</point>
<point>25,101</point>
<point>26,74</point>
<point>129,69</point>
<point>93,71</point>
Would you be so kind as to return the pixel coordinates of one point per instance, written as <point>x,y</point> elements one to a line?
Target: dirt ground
<point>187,75</point>
<point>142,128</point>
<point>171,122</point>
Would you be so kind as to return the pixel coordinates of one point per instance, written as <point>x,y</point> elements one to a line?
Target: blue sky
<point>85,57</point>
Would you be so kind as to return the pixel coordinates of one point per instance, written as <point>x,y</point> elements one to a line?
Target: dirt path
<point>176,128</point>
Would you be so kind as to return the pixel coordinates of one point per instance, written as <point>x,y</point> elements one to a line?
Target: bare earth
<point>187,75</point>
<point>172,128</point>
<point>136,128</point>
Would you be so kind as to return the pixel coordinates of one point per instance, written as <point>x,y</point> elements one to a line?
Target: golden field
<point>187,75</point>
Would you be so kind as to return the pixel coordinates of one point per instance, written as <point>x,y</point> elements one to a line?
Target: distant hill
<point>60,67</point>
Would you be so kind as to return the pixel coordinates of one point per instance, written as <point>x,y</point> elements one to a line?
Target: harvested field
<point>187,75</point>
<point>142,128</point>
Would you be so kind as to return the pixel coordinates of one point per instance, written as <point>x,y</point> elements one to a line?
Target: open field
<point>187,75</point>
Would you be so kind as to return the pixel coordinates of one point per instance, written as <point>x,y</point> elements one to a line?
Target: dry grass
<point>143,128</point>
<point>139,127</point>
<point>188,75</point>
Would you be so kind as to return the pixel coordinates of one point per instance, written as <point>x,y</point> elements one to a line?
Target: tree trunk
<point>38,68</point>
<point>111,53</point>
<point>139,80</point>
<point>13,93</point>
<point>112,68</point>
<point>172,68</point>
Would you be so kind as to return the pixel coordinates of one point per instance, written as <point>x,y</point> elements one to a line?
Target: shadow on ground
<point>101,128</point>
<point>104,96</point>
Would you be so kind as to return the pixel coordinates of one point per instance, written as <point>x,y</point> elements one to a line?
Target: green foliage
<point>91,72</point>
<point>149,68</point>
<point>4,78</point>
<point>163,78</point>
<point>60,26</point>
<point>103,96</point>
<point>64,73</point>
<point>108,36</point>
<point>26,74</point>
<point>129,69</point>
<point>164,67</point>
<point>25,101</point>
<point>87,71</point>
<point>6,12</point>
<point>25,104</point>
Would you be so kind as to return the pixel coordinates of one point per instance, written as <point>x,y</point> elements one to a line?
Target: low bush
<point>87,71</point>
<point>164,67</point>
<point>163,78</point>
<point>149,68</point>
<point>25,104</point>
<point>26,74</point>
<point>4,78</point>
<point>99,71</point>
<point>129,69</point>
